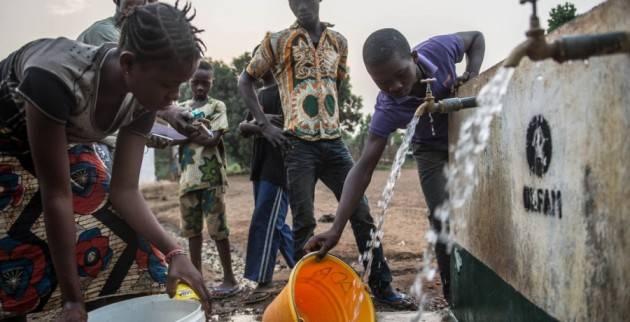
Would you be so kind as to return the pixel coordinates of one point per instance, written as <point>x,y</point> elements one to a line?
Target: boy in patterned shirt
<point>308,61</point>
<point>203,179</point>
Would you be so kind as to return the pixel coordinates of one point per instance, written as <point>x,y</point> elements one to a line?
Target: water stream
<point>461,173</point>
<point>386,197</point>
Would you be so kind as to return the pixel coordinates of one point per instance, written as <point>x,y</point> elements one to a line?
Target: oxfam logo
<point>538,145</point>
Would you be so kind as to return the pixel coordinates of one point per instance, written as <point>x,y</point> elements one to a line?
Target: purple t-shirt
<point>438,57</point>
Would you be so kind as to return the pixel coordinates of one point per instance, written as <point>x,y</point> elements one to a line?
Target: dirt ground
<point>403,240</point>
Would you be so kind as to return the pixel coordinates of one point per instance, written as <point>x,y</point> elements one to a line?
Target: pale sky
<point>235,26</point>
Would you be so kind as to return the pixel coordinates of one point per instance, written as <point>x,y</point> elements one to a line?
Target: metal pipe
<point>469,102</point>
<point>447,105</point>
<point>455,104</point>
<point>585,46</point>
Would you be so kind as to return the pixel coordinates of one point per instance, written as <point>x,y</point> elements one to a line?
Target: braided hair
<point>159,31</point>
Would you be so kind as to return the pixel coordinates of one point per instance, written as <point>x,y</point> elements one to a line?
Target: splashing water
<point>386,197</point>
<point>357,297</point>
<point>460,173</point>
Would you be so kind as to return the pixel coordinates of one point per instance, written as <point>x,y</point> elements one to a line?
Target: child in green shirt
<point>203,179</point>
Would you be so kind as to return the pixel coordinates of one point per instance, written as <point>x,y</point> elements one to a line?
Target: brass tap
<point>429,100</point>
<point>535,47</point>
<point>444,106</point>
<point>566,48</point>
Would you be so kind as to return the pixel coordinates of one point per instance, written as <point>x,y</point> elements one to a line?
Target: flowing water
<point>386,197</point>
<point>460,173</point>
<point>461,177</point>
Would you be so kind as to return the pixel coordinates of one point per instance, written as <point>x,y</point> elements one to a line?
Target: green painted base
<point>478,294</point>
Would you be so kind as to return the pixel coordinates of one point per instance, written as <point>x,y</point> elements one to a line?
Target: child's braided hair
<point>159,31</point>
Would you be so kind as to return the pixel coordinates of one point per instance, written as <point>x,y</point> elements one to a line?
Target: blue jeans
<point>268,233</point>
<point>328,161</point>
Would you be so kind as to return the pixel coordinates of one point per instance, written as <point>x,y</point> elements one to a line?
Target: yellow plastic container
<point>325,291</point>
<point>184,292</point>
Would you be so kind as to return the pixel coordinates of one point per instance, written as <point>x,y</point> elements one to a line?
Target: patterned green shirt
<point>307,78</point>
<point>203,167</point>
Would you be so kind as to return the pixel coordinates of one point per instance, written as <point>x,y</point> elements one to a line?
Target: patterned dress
<point>111,258</point>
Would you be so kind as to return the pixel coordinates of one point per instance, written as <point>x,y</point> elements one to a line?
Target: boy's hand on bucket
<point>322,243</point>
<point>182,269</point>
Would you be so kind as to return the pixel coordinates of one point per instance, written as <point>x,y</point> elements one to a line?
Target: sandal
<point>257,296</point>
<point>397,300</point>
<point>220,293</point>
<point>327,218</point>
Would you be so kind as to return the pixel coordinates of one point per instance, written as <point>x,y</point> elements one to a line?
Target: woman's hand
<point>129,202</point>
<point>72,312</point>
<point>180,119</point>
<point>181,269</point>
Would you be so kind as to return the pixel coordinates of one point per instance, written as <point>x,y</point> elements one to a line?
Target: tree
<point>350,106</point>
<point>357,143</point>
<point>560,15</point>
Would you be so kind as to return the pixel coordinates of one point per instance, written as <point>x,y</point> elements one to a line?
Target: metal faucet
<point>566,48</point>
<point>443,106</point>
<point>429,100</point>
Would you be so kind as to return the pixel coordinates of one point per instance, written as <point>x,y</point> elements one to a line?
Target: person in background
<point>108,29</point>
<point>71,233</point>
<point>203,181</point>
<point>268,231</point>
<point>104,31</point>
<point>397,70</point>
<point>308,61</point>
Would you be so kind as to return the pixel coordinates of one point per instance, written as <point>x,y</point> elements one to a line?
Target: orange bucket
<point>324,291</point>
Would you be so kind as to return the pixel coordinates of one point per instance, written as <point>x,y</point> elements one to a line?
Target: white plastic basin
<point>156,308</point>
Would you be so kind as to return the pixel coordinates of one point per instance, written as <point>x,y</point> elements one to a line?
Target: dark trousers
<point>328,161</point>
<point>268,233</point>
<point>433,182</point>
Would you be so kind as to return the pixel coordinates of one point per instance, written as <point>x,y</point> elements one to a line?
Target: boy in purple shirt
<point>397,70</point>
